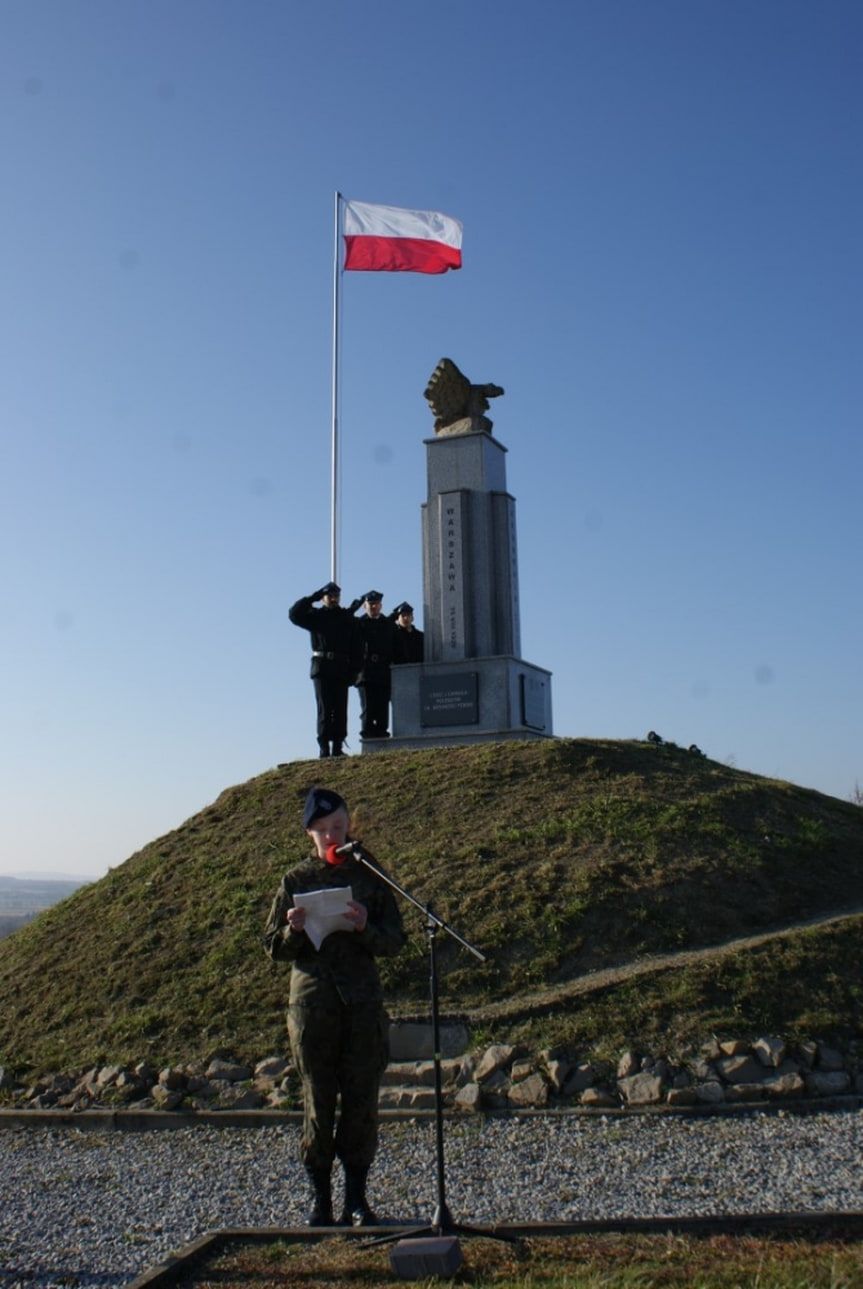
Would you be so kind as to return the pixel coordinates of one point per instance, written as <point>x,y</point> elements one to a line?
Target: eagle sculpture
<point>458,406</point>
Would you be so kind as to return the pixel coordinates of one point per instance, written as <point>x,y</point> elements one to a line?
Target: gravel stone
<point>99,1207</point>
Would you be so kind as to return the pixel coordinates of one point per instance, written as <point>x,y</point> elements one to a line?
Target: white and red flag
<point>387,239</point>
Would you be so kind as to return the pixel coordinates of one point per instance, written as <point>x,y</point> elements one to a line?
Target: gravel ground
<point>99,1207</point>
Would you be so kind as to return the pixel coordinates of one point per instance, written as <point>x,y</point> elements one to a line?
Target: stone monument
<point>472,686</point>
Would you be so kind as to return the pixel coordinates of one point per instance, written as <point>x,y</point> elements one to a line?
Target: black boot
<point>321,1197</point>
<point>356,1211</point>
<point>337,749</point>
<point>324,746</point>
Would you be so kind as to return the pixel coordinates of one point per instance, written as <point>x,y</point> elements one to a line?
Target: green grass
<point>556,858</point>
<point>564,1262</point>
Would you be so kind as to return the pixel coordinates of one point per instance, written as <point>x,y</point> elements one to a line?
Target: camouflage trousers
<point>340,1050</point>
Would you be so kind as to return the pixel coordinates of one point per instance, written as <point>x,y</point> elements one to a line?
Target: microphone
<point>338,854</point>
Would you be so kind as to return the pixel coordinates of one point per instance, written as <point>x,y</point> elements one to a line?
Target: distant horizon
<point>48,875</point>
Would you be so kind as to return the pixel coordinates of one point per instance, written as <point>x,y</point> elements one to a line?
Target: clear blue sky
<point>662,204</point>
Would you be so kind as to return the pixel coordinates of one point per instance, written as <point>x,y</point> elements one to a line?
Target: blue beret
<point>320,802</point>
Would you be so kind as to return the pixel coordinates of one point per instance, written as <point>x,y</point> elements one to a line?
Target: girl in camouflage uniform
<point>336,1020</point>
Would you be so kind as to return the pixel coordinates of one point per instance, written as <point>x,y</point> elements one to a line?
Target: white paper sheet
<point>325,911</point>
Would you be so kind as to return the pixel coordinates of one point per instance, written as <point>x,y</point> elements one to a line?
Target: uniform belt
<point>330,657</point>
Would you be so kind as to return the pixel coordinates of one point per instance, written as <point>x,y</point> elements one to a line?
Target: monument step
<point>400,1098</point>
<point>419,1074</point>
<point>414,1041</point>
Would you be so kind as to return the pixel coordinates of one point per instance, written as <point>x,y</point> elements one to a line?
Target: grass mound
<point>559,859</point>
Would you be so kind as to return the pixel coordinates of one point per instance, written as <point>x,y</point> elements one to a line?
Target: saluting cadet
<point>407,639</point>
<point>335,658</point>
<point>376,638</point>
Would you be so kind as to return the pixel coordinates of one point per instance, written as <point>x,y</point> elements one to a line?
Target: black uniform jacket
<point>335,642</point>
<point>407,645</point>
<point>376,636</point>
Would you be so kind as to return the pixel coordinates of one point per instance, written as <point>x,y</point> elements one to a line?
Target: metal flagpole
<point>334,477</point>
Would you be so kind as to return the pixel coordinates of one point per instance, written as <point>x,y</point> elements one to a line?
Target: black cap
<point>331,588</point>
<point>373,597</point>
<point>404,607</point>
<point>320,802</point>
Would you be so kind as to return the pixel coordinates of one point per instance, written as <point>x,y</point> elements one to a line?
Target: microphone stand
<point>442,1222</point>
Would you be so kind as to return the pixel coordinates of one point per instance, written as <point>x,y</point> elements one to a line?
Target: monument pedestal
<point>475,700</point>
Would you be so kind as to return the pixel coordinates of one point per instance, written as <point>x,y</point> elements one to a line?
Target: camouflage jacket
<point>345,961</point>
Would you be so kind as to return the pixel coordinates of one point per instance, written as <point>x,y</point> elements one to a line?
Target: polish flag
<point>391,240</point>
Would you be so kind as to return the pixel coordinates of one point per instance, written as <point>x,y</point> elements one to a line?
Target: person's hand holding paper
<point>319,913</point>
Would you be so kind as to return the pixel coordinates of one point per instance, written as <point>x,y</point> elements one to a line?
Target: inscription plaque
<point>532,702</point>
<point>452,567</point>
<point>449,700</point>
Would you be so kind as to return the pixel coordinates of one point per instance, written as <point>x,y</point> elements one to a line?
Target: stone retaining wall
<point>500,1077</point>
